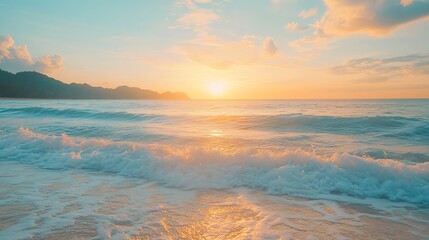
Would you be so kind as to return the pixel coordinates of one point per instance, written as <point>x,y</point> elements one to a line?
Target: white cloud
<point>17,58</point>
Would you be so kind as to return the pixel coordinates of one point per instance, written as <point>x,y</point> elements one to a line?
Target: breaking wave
<point>297,173</point>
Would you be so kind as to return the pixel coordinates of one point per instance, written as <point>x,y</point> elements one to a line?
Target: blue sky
<point>254,48</point>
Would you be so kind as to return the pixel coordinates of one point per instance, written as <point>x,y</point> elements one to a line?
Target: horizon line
<point>217,99</point>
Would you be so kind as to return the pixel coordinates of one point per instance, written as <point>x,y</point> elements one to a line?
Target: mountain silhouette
<point>37,85</point>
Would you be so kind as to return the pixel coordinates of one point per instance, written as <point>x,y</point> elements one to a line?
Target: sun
<point>217,88</point>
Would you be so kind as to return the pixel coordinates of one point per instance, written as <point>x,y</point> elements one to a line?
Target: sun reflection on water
<point>216,133</point>
<point>215,216</point>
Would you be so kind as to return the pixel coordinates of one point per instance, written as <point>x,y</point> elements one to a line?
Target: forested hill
<point>37,85</point>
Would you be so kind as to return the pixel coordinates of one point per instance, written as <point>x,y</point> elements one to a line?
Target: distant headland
<point>37,85</point>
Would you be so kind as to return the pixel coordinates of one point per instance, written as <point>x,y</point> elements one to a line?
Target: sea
<point>214,169</point>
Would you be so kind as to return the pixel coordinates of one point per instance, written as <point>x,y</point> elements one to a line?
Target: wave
<point>78,113</point>
<point>389,126</point>
<point>334,124</point>
<point>297,173</point>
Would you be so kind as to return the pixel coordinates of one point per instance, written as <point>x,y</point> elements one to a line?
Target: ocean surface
<point>243,169</point>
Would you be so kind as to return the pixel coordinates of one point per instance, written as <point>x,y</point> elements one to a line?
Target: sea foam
<point>196,166</point>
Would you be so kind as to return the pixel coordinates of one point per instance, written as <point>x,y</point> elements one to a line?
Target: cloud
<point>17,58</point>
<point>221,55</point>
<point>308,13</point>
<point>294,26</point>
<point>384,69</point>
<point>198,19</point>
<point>315,42</point>
<point>48,64</point>
<point>212,50</point>
<point>191,4</point>
<point>269,46</point>
<point>375,18</point>
<point>406,2</point>
<point>197,4</point>
<point>344,17</point>
<point>282,1</point>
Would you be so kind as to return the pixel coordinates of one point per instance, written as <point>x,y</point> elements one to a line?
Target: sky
<point>234,49</point>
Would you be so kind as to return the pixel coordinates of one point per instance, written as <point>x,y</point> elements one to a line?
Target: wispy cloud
<point>198,19</point>
<point>17,58</point>
<point>213,50</point>
<point>308,13</point>
<point>220,54</point>
<point>192,4</point>
<point>294,26</point>
<point>384,69</point>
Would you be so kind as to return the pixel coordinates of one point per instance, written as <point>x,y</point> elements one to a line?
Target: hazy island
<point>37,85</point>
